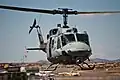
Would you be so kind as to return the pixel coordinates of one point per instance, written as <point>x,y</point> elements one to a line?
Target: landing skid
<point>85,68</point>
<point>89,67</point>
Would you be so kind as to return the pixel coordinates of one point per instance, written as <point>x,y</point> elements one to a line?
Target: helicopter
<point>65,45</point>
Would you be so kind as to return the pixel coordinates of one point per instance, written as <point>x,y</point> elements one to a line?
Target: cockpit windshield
<point>83,38</point>
<point>67,38</point>
<point>70,37</point>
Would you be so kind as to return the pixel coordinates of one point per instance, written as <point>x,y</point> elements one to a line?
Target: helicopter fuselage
<point>67,46</point>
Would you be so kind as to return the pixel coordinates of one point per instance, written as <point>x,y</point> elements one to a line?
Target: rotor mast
<point>65,16</point>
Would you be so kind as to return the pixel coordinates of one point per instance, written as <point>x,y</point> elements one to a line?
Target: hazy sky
<point>104,30</point>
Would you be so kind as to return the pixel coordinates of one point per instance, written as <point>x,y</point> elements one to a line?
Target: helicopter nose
<point>77,49</point>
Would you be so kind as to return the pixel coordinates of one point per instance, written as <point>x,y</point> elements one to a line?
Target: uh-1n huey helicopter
<point>65,45</point>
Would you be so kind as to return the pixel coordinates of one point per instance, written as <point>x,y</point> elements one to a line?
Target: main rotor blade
<point>31,10</point>
<point>55,11</point>
<point>99,12</point>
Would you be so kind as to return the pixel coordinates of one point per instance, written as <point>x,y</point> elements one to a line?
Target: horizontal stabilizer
<point>34,49</point>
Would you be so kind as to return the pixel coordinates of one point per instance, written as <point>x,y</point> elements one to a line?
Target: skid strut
<point>50,66</point>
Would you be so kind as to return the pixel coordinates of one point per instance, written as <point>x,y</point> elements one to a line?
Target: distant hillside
<point>43,62</point>
<point>104,60</point>
<point>117,60</point>
<point>99,60</point>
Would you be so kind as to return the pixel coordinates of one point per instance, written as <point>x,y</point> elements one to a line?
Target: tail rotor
<point>40,37</point>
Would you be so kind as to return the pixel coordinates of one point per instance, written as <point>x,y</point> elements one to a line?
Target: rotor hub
<point>65,12</point>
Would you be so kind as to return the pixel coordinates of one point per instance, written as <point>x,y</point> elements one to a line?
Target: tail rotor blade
<point>33,26</point>
<point>34,23</point>
<point>30,29</point>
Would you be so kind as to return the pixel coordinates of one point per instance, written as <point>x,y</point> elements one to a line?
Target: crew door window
<point>50,47</point>
<point>64,40</point>
<point>52,43</point>
<point>58,43</point>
